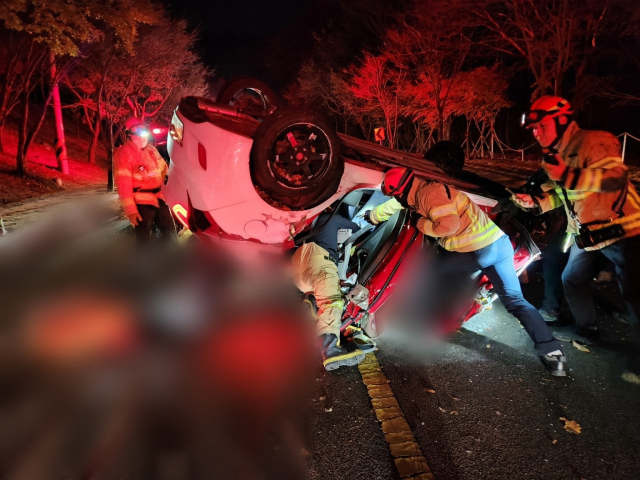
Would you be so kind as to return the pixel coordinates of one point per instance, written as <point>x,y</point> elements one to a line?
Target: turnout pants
<point>583,266</point>
<point>496,262</point>
<point>160,217</point>
<point>554,259</point>
<point>314,272</point>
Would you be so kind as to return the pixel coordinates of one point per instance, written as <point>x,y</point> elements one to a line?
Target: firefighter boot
<point>334,356</point>
<point>556,363</point>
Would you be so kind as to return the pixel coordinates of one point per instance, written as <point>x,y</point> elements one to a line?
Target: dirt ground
<point>42,164</point>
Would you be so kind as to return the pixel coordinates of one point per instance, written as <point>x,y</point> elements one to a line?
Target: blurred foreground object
<point>167,362</point>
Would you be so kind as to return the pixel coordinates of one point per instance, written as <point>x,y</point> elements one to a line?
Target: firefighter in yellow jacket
<point>139,175</point>
<point>589,179</point>
<point>471,242</point>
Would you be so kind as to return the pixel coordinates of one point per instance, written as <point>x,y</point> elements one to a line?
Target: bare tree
<point>380,83</point>
<point>328,91</point>
<point>432,44</point>
<point>54,32</point>
<point>556,38</point>
<point>480,94</point>
<point>113,83</point>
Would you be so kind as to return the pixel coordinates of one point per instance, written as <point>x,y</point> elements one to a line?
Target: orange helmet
<point>396,180</point>
<point>548,106</point>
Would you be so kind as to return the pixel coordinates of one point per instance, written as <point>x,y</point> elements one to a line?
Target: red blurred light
<point>202,156</point>
<point>157,131</point>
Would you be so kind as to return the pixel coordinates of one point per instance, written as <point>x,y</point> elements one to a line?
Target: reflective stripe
<point>443,211</point>
<point>336,304</point>
<point>606,162</point>
<point>487,233</point>
<point>633,198</point>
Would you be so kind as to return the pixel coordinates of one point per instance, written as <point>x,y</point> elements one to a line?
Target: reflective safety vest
<point>446,214</point>
<point>139,174</point>
<point>594,182</point>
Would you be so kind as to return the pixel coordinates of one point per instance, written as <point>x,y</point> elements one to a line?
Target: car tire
<point>295,159</point>
<point>251,96</point>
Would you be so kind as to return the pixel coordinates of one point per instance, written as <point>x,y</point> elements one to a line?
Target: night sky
<point>267,39</point>
<point>271,39</point>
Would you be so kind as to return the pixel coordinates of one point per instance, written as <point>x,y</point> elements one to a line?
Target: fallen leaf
<point>498,413</point>
<point>322,398</point>
<point>441,409</point>
<point>571,426</point>
<point>328,409</point>
<point>631,378</point>
<point>431,391</point>
<point>554,442</point>
<point>580,347</point>
<point>454,413</point>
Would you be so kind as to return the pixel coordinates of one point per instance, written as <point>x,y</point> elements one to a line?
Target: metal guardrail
<point>624,142</point>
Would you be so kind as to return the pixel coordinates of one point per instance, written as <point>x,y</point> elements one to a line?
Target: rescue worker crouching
<point>315,269</point>
<point>590,180</point>
<point>471,242</point>
<point>139,174</point>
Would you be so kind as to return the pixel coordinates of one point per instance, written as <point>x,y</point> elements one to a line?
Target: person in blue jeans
<point>496,262</point>
<point>469,241</point>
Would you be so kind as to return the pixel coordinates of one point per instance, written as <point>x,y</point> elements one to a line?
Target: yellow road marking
<point>406,453</point>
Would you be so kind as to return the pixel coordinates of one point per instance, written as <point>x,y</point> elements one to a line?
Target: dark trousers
<point>496,262</point>
<point>554,259</point>
<point>583,266</point>
<point>160,217</point>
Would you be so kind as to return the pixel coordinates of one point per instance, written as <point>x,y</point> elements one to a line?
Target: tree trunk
<point>3,119</point>
<point>60,143</point>
<point>109,144</point>
<point>21,158</point>
<point>31,134</point>
<point>94,141</point>
<point>467,139</point>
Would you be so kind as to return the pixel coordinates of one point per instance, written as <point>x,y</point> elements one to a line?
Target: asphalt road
<point>495,413</point>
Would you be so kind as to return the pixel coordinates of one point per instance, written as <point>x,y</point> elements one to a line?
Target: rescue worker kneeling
<point>471,242</point>
<point>139,175</point>
<point>314,269</point>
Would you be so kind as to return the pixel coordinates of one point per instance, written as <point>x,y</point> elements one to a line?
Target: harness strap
<point>146,190</point>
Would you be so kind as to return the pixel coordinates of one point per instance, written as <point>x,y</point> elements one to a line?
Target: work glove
<point>555,169</point>
<point>134,218</point>
<point>367,217</point>
<point>505,205</point>
<point>523,201</point>
<point>414,217</point>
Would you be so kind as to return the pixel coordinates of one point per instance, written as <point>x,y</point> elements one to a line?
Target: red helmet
<point>548,106</point>
<point>396,180</point>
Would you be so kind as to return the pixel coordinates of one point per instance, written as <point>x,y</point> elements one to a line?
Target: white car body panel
<point>225,188</point>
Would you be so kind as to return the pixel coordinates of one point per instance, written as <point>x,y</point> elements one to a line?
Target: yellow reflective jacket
<point>138,169</point>
<point>447,214</point>
<point>593,181</point>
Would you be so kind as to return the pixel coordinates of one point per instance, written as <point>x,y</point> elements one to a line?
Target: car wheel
<point>249,95</point>
<point>295,159</point>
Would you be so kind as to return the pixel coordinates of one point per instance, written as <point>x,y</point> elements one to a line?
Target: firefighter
<point>471,242</point>
<point>315,269</point>
<point>587,177</point>
<point>139,174</point>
